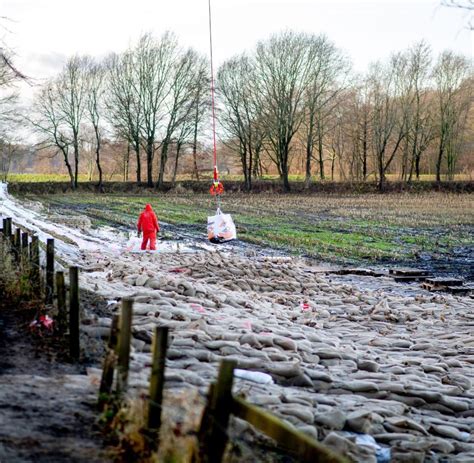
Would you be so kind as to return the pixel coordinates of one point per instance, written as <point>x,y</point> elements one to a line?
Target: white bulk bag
<point>221,228</point>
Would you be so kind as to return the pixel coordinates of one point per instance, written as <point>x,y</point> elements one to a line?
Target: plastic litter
<point>43,321</point>
<point>133,245</point>
<point>255,376</point>
<point>382,454</point>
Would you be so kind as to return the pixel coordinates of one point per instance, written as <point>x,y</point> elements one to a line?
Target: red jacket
<point>147,221</point>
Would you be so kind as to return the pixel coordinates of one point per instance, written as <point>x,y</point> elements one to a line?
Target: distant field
<point>208,175</point>
<point>331,226</point>
<point>42,178</point>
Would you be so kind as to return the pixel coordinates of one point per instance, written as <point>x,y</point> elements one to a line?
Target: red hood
<point>148,208</point>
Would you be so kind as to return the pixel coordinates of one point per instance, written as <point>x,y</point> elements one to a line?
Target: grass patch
<point>338,227</point>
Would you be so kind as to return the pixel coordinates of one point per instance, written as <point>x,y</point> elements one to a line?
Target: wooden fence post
<point>17,244</point>
<point>35,264</point>
<point>4,229</point>
<point>49,270</point>
<point>10,236</point>
<point>109,364</point>
<point>157,380</point>
<point>8,232</point>
<point>125,334</point>
<point>74,345</point>
<point>213,431</point>
<point>61,295</point>
<point>24,248</point>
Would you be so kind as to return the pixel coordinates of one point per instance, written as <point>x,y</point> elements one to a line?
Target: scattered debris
<point>42,322</point>
<point>450,285</point>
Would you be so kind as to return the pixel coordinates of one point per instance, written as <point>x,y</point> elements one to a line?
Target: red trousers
<point>151,237</point>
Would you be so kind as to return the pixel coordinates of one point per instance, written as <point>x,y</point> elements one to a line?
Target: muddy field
<point>373,368</point>
<point>432,231</point>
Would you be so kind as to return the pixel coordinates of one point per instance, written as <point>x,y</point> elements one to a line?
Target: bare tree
<point>9,149</point>
<point>9,74</point>
<point>123,102</point>
<point>181,101</point>
<point>240,115</point>
<point>183,136</point>
<point>47,122</point>
<point>188,128</point>
<point>328,68</point>
<point>420,129</point>
<point>361,130</point>
<point>390,112</point>
<point>10,116</point>
<point>155,60</point>
<point>338,139</point>
<point>71,92</point>
<point>10,120</point>
<point>95,75</point>
<point>282,72</point>
<point>201,110</point>
<point>452,75</point>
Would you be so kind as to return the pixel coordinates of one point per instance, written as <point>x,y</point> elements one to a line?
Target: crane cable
<point>216,188</point>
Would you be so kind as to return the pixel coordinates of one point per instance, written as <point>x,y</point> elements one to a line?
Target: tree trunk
<point>248,181</point>
<point>309,153</point>
<point>69,168</point>
<point>438,163</point>
<point>256,166</point>
<point>195,173</point>
<point>126,163</point>
<point>136,148</point>
<point>97,159</point>
<point>286,182</point>
<point>284,167</point>
<point>178,149</point>
<point>163,159</point>
<point>248,184</point>
<point>76,162</point>
<point>404,172</point>
<point>149,162</point>
<point>195,166</point>
<point>417,166</point>
<point>381,184</point>
<point>320,152</point>
<point>364,153</point>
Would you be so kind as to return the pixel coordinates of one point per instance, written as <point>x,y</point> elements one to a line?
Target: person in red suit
<point>148,224</point>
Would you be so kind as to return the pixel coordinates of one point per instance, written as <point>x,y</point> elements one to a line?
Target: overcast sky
<point>43,33</point>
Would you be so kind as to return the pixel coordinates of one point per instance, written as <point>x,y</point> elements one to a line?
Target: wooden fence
<point>47,284</point>
<point>221,403</point>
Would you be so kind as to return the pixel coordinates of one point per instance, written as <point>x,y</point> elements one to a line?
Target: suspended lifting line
<point>217,187</point>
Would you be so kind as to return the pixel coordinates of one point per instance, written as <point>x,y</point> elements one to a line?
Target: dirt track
<point>47,406</point>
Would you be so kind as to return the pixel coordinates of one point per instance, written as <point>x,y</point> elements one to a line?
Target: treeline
<point>291,106</point>
<point>295,102</point>
<point>151,96</point>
